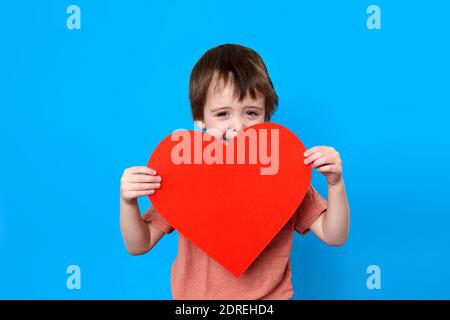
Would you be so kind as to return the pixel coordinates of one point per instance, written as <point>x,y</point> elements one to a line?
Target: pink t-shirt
<point>194,275</point>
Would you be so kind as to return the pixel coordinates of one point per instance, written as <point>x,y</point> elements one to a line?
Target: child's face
<point>225,116</point>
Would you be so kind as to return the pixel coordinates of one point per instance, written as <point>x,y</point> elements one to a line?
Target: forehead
<point>221,92</point>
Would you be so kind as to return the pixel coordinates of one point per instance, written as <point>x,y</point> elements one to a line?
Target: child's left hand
<point>327,161</point>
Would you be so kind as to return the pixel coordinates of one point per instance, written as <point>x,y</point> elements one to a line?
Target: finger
<point>326,168</point>
<point>141,170</point>
<point>322,161</point>
<point>310,151</point>
<point>135,194</point>
<point>142,186</point>
<point>142,178</point>
<point>313,157</point>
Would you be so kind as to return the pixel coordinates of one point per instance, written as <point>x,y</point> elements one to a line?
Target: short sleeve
<point>153,217</point>
<point>312,206</point>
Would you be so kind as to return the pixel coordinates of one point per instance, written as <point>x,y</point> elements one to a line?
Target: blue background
<point>79,106</point>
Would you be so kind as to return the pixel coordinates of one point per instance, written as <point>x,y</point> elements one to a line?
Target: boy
<point>230,89</point>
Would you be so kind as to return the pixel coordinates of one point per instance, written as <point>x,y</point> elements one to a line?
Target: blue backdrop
<point>78,106</point>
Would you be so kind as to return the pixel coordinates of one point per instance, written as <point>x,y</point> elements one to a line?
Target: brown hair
<point>242,65</point>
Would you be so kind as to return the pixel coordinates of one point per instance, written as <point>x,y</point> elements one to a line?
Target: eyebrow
<point>220,108</point>
<point>226,108</point>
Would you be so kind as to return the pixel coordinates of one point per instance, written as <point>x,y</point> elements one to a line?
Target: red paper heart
<point>231,211</point>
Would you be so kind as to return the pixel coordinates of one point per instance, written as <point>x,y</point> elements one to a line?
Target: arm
<point>139,237</point>
<point>332,226</point>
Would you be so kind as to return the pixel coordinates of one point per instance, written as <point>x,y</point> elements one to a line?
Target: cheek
<point>215,127</point>
<point>255,121</point>
<point>213,123</point>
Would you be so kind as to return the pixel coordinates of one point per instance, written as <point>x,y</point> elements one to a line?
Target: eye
<point>252,114</point>
<point>222,114</point>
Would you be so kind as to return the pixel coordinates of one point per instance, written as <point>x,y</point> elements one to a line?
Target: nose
<point>236,126</point>
<point>233,130</point>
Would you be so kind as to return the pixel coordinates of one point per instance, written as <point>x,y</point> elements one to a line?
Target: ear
<point>200,124</point>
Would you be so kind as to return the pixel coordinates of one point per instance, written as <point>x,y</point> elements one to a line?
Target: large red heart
<point>230,210</point>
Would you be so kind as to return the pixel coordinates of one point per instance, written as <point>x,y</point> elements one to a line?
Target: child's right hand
<point>138,181</point>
